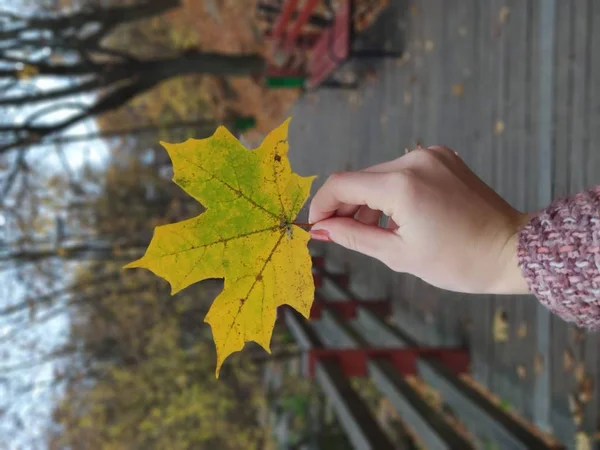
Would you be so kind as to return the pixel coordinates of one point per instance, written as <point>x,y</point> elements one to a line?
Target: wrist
<point>510,279</point>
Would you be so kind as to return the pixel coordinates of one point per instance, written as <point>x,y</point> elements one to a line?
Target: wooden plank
<point>501,21</point>
<point>284,18</point>
<point>352,413</point>
<point>592,177</point>
<point>427,423</point>
<point>519,353</point>
<point>479,113</point>
<point>369,329</point>
<point>528,173</point>
<point>433,430</point>
<point>454,125</point>
<point>307,9</point>
<point>546,79</point>
<point>593,112</point>
<point>580,94</point>
<point>476,411</point>
<point>559,384</point>
<point>581,59</point>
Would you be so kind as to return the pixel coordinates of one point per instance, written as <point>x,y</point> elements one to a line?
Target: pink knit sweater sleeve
<point>559,255</point>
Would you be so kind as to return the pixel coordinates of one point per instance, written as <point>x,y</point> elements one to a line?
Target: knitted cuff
<point>559,256</point>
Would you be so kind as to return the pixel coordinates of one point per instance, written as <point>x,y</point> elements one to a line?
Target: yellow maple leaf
<point>246,235</point>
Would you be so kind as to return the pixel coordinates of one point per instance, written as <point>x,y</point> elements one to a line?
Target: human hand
<point>445,226</point>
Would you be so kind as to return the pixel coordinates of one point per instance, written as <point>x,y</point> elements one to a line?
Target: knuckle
<point>443,154</point>
<point>409,185</point>
<point>335,177</point>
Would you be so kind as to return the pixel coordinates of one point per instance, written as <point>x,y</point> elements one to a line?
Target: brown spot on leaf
<point>277,158</point>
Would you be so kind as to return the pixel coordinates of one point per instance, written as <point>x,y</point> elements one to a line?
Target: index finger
<point>351,188</point>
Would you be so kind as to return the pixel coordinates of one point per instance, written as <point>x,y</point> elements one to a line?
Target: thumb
<point>354,235</point>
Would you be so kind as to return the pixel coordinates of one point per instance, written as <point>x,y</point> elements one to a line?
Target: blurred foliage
<point>212,26</point>
<point>142,375</point>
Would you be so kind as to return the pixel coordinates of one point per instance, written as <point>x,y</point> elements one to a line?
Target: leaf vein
<point>233,189</point>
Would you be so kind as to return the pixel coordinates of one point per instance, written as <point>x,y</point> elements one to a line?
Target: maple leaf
<point>246,235</point>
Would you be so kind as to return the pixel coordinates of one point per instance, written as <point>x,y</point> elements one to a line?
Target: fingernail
<point>320,235</point>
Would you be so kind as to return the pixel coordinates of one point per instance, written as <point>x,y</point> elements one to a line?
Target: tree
<point>91,78</point>
<point>142,374</point>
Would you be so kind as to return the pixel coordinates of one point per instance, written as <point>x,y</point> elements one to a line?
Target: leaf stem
<point>302,224</point>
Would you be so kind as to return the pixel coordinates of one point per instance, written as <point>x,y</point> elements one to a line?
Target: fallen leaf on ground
<point>538,364</point>
<point>582,441</point>
<point>354,99</point>
<point>500,327</point>
<point>458,89</point>
<point>585,389</point>
<point>568,360</point>
<point>579,372</point>
<point>521,371</point>
<point>499,127</point>
<point>575,409</point>
<point>503,14</point>
<point>429,45</point>
<point>246,235</point>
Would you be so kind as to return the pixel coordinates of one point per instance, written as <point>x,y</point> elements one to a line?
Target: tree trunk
<point>206,63</point>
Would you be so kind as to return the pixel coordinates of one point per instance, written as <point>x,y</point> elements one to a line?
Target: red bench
<point>335,46</point>
<point>328,49</point>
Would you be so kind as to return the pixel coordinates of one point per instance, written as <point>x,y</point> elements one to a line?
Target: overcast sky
<point>25,395</point>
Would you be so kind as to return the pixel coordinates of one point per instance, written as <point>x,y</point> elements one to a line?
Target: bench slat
<point>428,424</point>
<point>353,414</point>
<point>474,409</point>
<point>302,19</point>
<point>284,18</point>
<point>320,64</point>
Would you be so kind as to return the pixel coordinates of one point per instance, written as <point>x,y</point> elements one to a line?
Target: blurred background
<point>93,357</point>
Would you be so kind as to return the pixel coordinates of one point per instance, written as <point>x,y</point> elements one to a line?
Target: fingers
<point>368,216</point>
<point>344,194</point>
<point>388,166</point>
<point>354,235</point>
<point>351,188</point>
